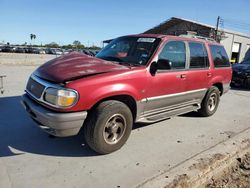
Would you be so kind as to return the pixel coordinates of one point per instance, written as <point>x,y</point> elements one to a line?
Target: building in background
<point>236,44</point>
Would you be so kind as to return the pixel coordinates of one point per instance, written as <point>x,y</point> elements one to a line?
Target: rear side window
<point>198,55</point>
<point>219,55</point>
<point>175,53</point>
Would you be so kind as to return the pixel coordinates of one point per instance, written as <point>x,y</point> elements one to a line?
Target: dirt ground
<point>236,176</point>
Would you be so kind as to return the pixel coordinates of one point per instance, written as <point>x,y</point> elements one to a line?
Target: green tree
<point>68,46</point>
<point>77,44</point>
<point>52,45</point>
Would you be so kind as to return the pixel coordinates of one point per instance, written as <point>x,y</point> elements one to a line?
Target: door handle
<point>209,74</point>
<point>182,76</point>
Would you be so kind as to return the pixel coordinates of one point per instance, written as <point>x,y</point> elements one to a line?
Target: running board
<point>167,114</point>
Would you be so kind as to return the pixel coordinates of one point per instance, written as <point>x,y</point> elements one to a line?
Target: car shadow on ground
<point>192,114</point>
<point>19,134</point>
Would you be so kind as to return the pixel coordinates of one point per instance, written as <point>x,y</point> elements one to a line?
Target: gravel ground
<point>235,176</point>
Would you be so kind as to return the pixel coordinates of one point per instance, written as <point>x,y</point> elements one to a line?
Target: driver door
<point>166,88</point>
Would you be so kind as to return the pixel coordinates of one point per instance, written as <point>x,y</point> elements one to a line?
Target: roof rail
<point>198,37</point>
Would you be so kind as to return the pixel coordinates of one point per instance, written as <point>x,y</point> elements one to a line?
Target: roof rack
<point>198,37</point>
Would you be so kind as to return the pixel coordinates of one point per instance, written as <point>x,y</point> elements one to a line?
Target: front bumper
<point>55,123</point>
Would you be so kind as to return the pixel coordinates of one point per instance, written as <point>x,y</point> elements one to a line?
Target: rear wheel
<point>108,126</point>
<point>210,103</point>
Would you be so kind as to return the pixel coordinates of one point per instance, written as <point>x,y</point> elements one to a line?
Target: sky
<point>92,21</point>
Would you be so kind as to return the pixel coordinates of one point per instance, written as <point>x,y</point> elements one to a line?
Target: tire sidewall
<point>102,117</point>
<point>213,90</point>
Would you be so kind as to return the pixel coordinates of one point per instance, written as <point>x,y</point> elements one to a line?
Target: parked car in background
<point>7,49</point>
<point>42,51</point>
<point>58,52</point>
<point>48,51</point>
<point>241,74</point>
<point>54,51</point>
<point>66,51</point>
<point>20,50</point>
<point>29,50</point>
<point>137,78</point>
<point>87,52</point>
<point>35,51</point>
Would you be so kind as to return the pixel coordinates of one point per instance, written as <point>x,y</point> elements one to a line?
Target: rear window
<point>219,55</point>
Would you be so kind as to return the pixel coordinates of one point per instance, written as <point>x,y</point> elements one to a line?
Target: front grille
<point>35,88</point>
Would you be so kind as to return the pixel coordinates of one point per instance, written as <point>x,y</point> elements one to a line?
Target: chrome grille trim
<point>35,88</point>
<point>46,86</point>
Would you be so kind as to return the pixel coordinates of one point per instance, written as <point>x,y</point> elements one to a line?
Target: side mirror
<point>163,64</point>
<point>153,68</point>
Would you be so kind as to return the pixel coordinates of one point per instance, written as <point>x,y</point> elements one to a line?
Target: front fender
<point>92,95</point>
<point>113,90</point>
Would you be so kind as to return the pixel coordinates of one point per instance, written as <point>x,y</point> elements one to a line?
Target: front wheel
<point>108,126</point>
<point>210,103</point>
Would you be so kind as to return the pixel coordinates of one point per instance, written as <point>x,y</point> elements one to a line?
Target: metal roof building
<point>236,44</point>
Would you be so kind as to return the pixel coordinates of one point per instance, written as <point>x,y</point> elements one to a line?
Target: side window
<point>198,55</point>
<point>175,53</point>
<point>220,57</point>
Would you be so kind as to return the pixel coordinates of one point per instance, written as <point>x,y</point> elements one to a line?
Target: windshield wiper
<point>120,61</point>
<point>130,64</point>
<point>112,58</point>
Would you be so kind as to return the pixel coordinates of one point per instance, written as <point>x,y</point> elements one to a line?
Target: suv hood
<point>73,66</point>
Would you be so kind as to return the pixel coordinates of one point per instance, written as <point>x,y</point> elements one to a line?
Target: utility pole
<point>217,27</point>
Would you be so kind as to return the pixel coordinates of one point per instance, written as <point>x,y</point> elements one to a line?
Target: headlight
<point>60,97</point>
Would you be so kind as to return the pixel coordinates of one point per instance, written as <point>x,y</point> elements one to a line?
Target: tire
<point>210,102</point>
<point>108,126</point>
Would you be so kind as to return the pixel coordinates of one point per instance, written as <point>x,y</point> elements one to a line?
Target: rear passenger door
<point>198,73</point>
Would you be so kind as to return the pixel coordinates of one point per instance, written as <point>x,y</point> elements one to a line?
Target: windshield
<point>129,50</point>
<point>246,62</point>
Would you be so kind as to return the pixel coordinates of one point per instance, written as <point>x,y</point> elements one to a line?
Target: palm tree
<point>32,36</point>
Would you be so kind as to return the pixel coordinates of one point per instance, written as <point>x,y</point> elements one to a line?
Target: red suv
<point>137,78</point>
